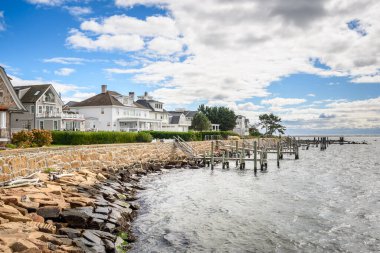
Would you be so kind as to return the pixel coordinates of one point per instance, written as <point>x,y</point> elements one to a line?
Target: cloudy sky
<point>314,63</point>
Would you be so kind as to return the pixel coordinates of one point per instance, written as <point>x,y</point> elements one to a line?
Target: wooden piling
<point>255,155</point>
<point>212,155</point>
<point>278,154</point>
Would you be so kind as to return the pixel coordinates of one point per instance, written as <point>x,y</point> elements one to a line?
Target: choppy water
<point>328,201</point>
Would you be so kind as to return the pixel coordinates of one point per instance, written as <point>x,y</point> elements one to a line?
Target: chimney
<point>132,96</point>
<point>145,94</point>
<point>104,88</point>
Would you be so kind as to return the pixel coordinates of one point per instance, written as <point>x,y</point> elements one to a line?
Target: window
<point>55,125</point>
<point>3,119</point>
<point>118,111</point>
<point>102,111</point>
<point>41,125</point>
<point>1,96</point>
<point>40,109</point>
<point>32,109</point>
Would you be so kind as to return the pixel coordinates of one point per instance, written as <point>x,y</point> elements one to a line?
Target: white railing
<point>60,115</point>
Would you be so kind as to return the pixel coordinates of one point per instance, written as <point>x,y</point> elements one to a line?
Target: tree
<point>271,123</point>
<point>200,122</point>
<point>253,131</point>
<point>223,116</point>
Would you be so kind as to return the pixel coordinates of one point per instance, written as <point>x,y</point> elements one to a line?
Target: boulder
<point>22,245</point>
<point>101,177</point>
<point>70,232</point>
<point>75,218</point>
<point>49,211</point>
<point>92,236</point>
<point>36,218</point>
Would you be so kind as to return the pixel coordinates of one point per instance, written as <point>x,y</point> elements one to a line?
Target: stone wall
<point>23,162</point>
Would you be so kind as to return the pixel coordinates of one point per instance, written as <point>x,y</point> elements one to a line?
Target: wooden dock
<point>256,150</point>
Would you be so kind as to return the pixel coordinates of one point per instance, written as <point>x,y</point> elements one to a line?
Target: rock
<point>29,205</point>
<point>70,232</point>
<point>22,245</point>
<point>109,245</point>
<point>15,217</point>
<point>8,209</point>
<point>92,236</point>
<point>49,211</point>
<point>100,177</point>
<point>22,210</point>
<point>75,218</point>
<point>102,210</point>
<point>109,227</point>
<point>46,228</point>
<point>36,218</point>
<point>9,199</point>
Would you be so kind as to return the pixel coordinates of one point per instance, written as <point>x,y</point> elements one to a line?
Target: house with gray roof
<point>44,110</point>
<point>10,106</point>
<point>112,111</point>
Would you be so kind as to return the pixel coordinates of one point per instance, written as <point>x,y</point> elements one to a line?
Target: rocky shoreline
<point>80,211</point>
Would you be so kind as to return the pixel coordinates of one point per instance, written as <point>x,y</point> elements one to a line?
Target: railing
<point>186,148</point>
<point>60,115</point>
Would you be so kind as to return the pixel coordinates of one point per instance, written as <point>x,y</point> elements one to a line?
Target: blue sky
<point>315,64</point>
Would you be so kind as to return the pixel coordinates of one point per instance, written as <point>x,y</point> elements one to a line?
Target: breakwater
<point>23,162</point>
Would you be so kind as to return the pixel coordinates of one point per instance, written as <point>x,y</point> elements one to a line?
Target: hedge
<point>88,138</point>
<point>189,136</point>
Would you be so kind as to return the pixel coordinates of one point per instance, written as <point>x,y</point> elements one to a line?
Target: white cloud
<point>46,2</point>
<point>70,92</point>
<point>311,95</point>
<point>78,11</point>
<point>105,42</point>
<point>65,60</point>
<point>249,106</point>
<point>165,46</point>
<point>279,102</point>
<point>238,48</point>
<point>2,23</point>
<point>367,79</point>
<point>64,71</point>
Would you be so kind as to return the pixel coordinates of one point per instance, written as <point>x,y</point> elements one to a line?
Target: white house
<point>44,110</point>
<point>112,111</point>
<point>242,125</point>
<point>178,122</point>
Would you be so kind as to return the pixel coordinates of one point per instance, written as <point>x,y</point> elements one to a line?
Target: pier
<point>239,152</point>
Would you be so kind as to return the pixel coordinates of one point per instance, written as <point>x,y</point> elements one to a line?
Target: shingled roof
<point>34,92</point>
<point>102,99</point>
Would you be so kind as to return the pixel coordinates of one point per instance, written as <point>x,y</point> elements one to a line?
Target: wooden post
<point>242,157</point>
<point>255,156</point>
<point>223,162</point>
<point>278,154</point>
<point>212,155</point>
<point>237,147</point>
<point>204,159</point>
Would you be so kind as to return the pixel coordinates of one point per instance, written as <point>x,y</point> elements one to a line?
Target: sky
<point>316,64</point>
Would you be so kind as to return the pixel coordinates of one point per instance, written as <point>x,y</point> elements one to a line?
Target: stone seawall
<point>15,163</point>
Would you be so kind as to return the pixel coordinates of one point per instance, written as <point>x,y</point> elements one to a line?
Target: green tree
<point>223,116</point>
<point>200,122</point>
<point>253,131</point>
<point>271,123</point>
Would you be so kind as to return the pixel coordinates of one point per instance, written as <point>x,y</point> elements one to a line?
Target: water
<point>328,201</point>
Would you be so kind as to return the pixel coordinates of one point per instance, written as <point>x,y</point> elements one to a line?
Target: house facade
<point>44,110</point>
<point>178,122</point>
<point>242,125</point>
<point>112,111</point>
<point>10,107</point>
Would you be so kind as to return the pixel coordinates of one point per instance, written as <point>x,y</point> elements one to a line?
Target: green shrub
<point>144,137</point>
<point>41,137</point>
<point>34,138</point>
<point>103,137</point>
<point>10,145</point>
<point>189,136</point>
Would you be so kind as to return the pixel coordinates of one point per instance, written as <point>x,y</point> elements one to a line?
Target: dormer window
<point>49,97</point>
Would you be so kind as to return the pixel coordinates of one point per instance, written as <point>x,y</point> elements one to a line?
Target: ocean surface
<point>327,201</point>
